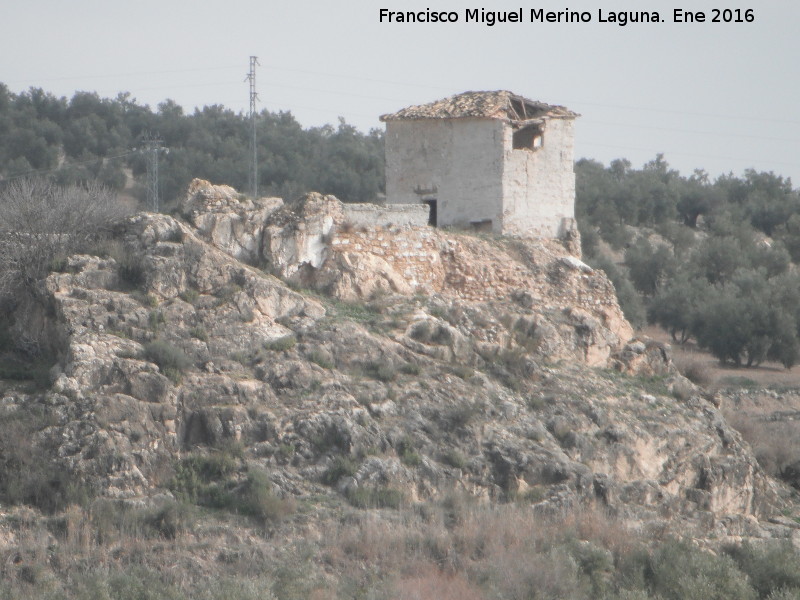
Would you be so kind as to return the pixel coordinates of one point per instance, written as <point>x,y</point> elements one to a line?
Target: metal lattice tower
<point>251,77</point>
<point>153,145</point>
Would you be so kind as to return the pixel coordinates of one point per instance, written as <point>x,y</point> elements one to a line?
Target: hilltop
<point>294,367</point>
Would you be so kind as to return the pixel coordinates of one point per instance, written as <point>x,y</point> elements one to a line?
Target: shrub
<point>58,264</point>
<point>321,358</point>
<point>211,481</point>
<point>169,520</point>
<point>29,474</point>
<point>194,474</point>
<point>189,296</point>
<point>772,567</point>
<point>454,458</point>
<point>282,344</point>
<point>407,453</point>
<point>381,371</point>
<point>227,293</point>
<point>131,271</point>
<point>695,371</point>
<point>342,466</point>
<point>256,499</point>
<point>199,333</point>
<point>411,369</point>
<point>155,320</point>
<point>375,497</point>
<point>170,359</point>
<point>460,416</point>
<point>678,571</point>
<point>25,368</point>
<point>462,371</point>
<point>629,301</point>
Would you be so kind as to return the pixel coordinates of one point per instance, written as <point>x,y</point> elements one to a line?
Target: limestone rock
<point>512,375</point>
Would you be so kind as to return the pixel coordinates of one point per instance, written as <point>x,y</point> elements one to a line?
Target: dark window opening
<point>528,138</point>
<point>484,225</point>
<point>431,212</point>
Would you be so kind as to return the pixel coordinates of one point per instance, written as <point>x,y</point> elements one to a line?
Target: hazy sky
<point>722,96</point>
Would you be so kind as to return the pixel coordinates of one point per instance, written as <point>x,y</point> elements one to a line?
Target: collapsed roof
<point>499,104</point>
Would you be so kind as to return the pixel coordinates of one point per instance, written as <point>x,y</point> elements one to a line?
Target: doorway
<point>431,212</point>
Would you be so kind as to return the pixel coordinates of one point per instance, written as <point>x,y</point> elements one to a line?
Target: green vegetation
<point>716,264</point>
<point>454,458</point>
<point>170,359</point>
<point>28,473</point>
<point>199,333</point>
<point>342,466</point>
<point>131,269</point>
<point>214,481</point>
<point>381,371</point>
<point>453,548</point>
<point>408,454</point>
<point>77,137</point>
<point>321,358</point>
<point>375,497</point>
<point>189,295</point>
<point>282,344</point>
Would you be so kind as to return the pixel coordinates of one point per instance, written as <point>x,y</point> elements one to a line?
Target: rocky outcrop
<point>227,219</point>
<point>311,243</point>
<point>509,378</point>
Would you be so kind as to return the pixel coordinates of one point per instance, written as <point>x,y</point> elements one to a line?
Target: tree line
<point>713,260</point>
<point>89,138</point>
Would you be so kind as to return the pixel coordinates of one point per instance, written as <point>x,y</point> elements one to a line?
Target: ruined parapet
<point>387,215</point>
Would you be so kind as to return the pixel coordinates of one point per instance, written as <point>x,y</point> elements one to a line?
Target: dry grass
<point>460,548</point>
<point>768,374</point>
<point>776,444</point>
<point>456,549</point>
<point>433,583</point>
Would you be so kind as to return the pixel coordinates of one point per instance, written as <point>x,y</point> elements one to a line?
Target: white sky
<point>719,96</point>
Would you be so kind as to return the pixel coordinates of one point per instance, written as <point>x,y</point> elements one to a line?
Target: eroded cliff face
<point>569,308</point>
<point>431,360</point>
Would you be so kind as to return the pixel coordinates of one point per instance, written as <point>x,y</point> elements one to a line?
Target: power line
<point>55,169</point>
<point>737,134</point>
<point>112,75</point>
<point>389,82</point>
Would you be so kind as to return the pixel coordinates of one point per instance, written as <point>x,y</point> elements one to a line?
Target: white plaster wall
<point>539,186</point>
<point>461,158</point>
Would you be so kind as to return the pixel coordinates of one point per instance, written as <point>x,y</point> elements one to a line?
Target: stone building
<point>491,160</point>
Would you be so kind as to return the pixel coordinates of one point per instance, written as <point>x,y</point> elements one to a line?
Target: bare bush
<point>695,371</point>
<point>775,444</point>
<point>41,224</point>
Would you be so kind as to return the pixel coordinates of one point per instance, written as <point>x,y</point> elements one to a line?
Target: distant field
<point>768,374</point>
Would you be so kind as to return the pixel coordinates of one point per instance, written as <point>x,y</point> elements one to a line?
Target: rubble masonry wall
<point>539,185</point>
<point>413,253</point>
